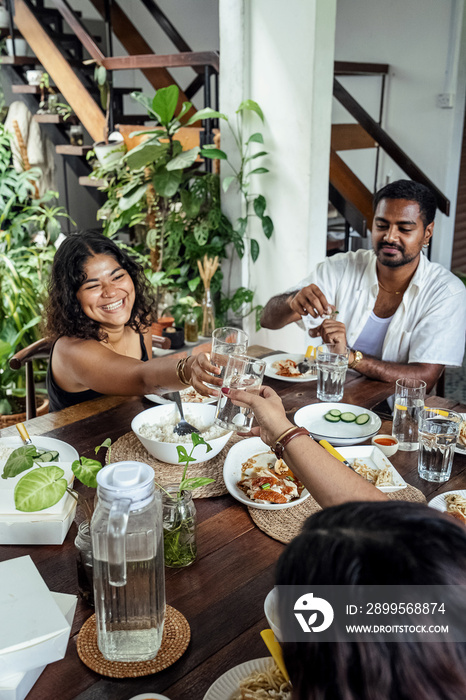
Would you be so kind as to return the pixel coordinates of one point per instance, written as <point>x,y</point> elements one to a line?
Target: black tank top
<point>59,398</point>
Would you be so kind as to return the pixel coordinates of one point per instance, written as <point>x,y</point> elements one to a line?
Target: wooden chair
<point>40,350</point>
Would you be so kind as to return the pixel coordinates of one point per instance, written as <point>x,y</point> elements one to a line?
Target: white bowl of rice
<point>154,429</point>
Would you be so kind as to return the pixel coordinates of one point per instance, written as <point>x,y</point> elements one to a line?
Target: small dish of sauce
<point>387,443</point>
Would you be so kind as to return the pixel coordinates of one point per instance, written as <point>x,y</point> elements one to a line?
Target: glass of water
<point>245,373</point>
<point>332,363</point>
<point>409,400</point>
<point>225,342</point>
<point>438,433</point>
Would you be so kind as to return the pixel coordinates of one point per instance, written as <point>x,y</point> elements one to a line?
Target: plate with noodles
<point>461,443</point>
<point>373,465</point>
<point>451,502</point>
<point>284,366</point>
<point>257,677</point>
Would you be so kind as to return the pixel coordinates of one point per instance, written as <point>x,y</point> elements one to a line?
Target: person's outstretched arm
<point>329,481</point>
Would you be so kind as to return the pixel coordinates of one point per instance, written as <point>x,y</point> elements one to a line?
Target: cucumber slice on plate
<point>348,417</point>
<point>46,456</point>
<point>363,418</point>
<point>335,412</point>
<point>332,419</point>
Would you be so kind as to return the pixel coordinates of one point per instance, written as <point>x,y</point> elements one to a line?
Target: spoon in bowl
<point>183,427</point>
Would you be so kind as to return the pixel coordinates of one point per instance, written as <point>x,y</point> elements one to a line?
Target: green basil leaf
<point>39,489</point>
<point>19,460</point>
<point>195,482</point>
<point>86,471</point>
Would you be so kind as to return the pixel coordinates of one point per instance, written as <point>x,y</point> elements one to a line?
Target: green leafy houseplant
<point>158,185</point>
<point>179,521</point>
<point>29,228</point>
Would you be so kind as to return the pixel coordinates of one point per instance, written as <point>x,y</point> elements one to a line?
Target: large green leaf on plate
<point>18,461</point>
<point>39,489</point>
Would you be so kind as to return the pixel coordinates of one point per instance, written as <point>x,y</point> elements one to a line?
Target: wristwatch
<point>358,356</point>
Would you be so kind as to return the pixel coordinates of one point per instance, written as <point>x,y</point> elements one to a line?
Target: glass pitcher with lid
<point>127,545</point>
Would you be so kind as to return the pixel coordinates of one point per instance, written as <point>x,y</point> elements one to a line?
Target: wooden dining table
<point>222,594</point>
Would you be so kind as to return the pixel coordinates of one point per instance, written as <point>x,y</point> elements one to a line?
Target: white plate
<point>338,434</point>
<point>460,448</point>
<point>375,459</point>
<point>272,373</point>
<point>237,455</point>
<point>66,453</point>
<point>155,398</point>
<point>228,683</point>
<point>439,503</point>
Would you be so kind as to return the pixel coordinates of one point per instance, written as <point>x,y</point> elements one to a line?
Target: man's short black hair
<point>415,192</point>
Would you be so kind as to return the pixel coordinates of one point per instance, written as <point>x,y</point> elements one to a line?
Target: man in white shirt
<point>401,315</point>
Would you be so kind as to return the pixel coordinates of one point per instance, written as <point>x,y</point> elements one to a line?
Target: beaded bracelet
<point>283,440</point>
<point>180,371</point>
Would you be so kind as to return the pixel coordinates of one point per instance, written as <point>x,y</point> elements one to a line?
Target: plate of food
<point>451,502</point>
<point>255,477</point>
<point>188,395</point>
<point>60,451</point>
<point>250,679</point>
<point>284,366</point>
<point>374,466</point>
<point>461,443</point>
<point>339,423</point>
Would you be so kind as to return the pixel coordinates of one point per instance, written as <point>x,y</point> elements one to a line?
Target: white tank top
<point>370,341</point>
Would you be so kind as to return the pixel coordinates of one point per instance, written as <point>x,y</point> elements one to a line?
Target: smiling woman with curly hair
<point>99,313</point>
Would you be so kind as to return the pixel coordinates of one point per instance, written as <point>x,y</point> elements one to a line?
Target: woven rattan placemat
<point>175,640</point>
<point>129,447</point>
<point>285,524</point>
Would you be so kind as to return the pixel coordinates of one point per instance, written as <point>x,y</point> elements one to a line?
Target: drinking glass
<point>332,363</point>
<point>409,400</point>
<point>225,342</point>
<point>245,373</point>
<point>438,433</point>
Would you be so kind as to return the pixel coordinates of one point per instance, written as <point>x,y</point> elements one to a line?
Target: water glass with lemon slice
<point>409,400</point>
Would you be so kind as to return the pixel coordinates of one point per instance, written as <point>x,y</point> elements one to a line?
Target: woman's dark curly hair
<point>64,315</point>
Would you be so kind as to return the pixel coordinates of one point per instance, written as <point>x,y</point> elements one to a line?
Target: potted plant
<point>29,229</point>
<point>112,147</point>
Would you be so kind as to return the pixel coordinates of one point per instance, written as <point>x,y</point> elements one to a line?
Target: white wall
<point>284,61</point>
<point>424,42</point>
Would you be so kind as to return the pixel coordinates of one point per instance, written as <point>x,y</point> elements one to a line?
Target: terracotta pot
<point>166,321</point>
<point>42,407</point>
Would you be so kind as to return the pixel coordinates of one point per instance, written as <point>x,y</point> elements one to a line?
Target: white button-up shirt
<point>429,324</point>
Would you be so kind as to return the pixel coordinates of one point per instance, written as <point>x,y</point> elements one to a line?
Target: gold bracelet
<point>358,356</point>
<point>180,371</point>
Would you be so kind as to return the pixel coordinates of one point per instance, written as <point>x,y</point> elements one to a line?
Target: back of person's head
<point>393,543</point>
<point>412,191</point>
<point>64,315</point>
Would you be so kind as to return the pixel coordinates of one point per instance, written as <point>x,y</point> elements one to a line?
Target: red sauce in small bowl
<point>385,441</point>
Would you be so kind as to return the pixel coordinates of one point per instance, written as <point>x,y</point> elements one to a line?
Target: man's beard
<point>394,262</point>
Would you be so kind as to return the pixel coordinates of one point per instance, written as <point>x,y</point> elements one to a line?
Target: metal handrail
<point>388,144</point>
